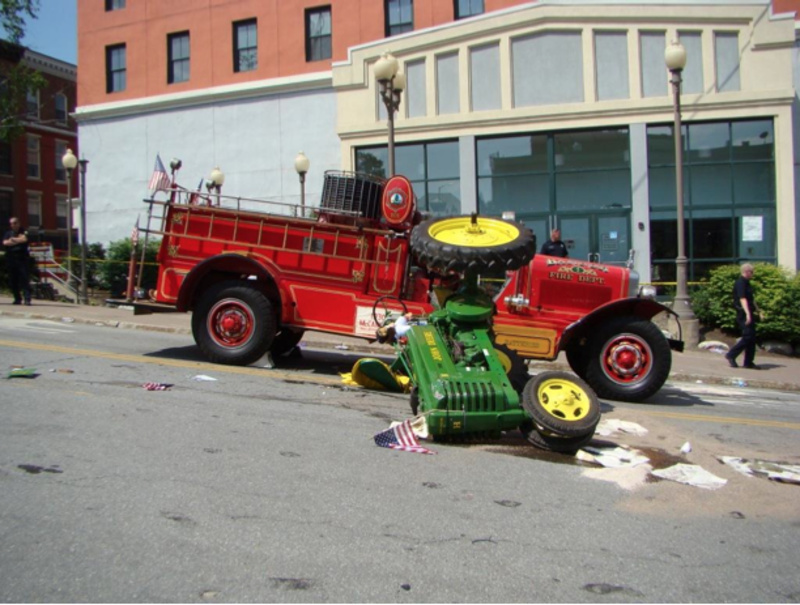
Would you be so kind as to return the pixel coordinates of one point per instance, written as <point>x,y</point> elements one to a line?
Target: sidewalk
<point>779,372</point>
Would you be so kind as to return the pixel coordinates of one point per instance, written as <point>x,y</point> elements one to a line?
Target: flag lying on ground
<point>156,386</point>
<point>160,180</point>
<point>400,436</point>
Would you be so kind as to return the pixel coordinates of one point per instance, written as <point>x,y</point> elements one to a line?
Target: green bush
<point>776,293</point>
<point>113,274</point>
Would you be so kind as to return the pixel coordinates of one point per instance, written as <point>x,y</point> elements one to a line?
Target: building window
<point>6,207</point>
<point>61,172</point>
<point>116,69</point>
<point>726,51</point>
<point>484,74</point>
<point>416,99</point>
<point>611,65</point>
<point>32,104</point>
<point>318,34</point>
<point>178,57</point>
<point>61,211</point>
<point>245,45</point>
<point>556,81</point>
<point>468,8</point>
<point>33,157</point>
<point>34,210</point>
<point>655,80</point>
<point>432,168</point>
<point>114,5</point>
<point>5,158</point>
<point>399,16</point>
<point>729,196</point>
<point>447,84</point>
<point>61,108</point>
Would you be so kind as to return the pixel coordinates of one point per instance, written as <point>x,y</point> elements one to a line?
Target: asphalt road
<point>264,485</point>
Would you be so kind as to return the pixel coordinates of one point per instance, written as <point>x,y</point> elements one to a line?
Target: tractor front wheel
<point>562,404</point>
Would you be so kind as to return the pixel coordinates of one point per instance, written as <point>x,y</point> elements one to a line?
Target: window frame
<point>60,149</point>
<point>114,5</point>
<point>471,11</point>
<point>6,159</point>
<point>35,198</point>
<point>116,78</point>
<point>238,50</point>
<point>32,105</point>
<point>311,38</point>
<point>61,97</point>
<point>38,152</point>
<point>398,27</point>
<point>181,61</point>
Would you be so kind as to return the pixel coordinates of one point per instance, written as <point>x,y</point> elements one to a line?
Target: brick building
<point>33,182</point>
<point>559,110</point>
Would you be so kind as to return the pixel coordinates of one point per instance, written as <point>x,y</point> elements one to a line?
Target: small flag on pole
<point>401,437</point>
<point>160,180</point>
<point>194,198</point>
<point>135,233</point>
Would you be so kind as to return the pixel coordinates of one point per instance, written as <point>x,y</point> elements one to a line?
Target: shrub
<point>776,293</point>
<point>113,273</point>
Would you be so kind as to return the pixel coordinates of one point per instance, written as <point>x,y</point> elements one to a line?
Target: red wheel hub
<point>627,359</point>
<point>231,323</point>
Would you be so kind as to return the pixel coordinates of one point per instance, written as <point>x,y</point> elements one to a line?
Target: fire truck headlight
<point>647,292</point>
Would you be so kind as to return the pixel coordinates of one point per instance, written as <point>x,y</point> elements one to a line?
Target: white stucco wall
<point>253,141</point>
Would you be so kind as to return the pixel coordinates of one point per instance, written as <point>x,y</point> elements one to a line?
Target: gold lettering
<point>560,275</point>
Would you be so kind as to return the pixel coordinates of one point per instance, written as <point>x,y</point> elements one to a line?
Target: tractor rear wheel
<point>471,243</point>
<point>233,323</point>
<point>562,404</point>
<point>514,365</point>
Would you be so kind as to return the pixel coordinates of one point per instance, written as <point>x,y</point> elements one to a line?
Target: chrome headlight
<point>647,292</point>
<point>633,284</point>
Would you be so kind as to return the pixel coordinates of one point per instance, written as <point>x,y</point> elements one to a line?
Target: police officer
<point>554,246</point>
<point>15,241</point>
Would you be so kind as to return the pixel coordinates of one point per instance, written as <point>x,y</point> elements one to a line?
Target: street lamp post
<point>675,58</point>
<point>301,165</point>
<point>69,161</point>
<point>83,162</point>
<point>392,85</point>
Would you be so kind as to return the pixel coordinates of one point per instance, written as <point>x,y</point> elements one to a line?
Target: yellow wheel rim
<point>504,360</point>
<point>564,399</point>
<point>483,233</point>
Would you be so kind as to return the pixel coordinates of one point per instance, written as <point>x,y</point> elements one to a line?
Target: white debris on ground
<point>686,448</point>
<point>612,457</point>
<point>713,346</point>
<point>204,378</point>
<point>610,426</point>
<point>691,474</point>
<point>785,473</point>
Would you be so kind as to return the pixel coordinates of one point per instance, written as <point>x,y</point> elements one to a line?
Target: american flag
<point>160,180</point>
<point>156,386</point>
<point>401,437</point>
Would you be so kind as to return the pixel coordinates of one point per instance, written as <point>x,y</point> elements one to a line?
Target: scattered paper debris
<point>157,386</point>
<point>342,347</point>
<point>775,471</point>
<point>690,474</point>
<point>686,448</point>
<point>612,457</point>
<point>204,378</point>
<point>609,426</point>
<point>626,478</point>
<point>22,373</point>
<point>68,320</point>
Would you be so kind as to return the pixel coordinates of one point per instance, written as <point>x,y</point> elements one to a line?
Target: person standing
<point>746,318</point>
<point>15,241</point>
<point>554,246</point>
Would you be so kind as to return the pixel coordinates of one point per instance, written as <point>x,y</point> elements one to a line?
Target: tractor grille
<point>469,396</point>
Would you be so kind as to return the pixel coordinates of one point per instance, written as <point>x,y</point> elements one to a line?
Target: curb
<point>384,351</point>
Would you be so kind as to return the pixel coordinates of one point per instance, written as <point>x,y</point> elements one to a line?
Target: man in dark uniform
<point>746,318</point>
<point>15,241</point>
<point>554,246</point>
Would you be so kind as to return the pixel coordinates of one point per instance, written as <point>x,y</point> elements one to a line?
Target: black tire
<point>561,403</point>
<point>515,248</point>
<point>515,367</point>
<point>577,359</point>
<point>233,323</point>
<point>414,400</point>
<point>629,359</point>
<point>563,445</point>
<point>285,341</point>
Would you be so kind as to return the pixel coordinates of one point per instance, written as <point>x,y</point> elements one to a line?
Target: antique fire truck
<point>257,274</point>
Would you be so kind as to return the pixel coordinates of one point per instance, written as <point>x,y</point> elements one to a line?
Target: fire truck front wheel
<point>628,360</point>
<point>233,324</point>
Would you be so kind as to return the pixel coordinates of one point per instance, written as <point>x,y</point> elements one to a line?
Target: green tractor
<point>464,384</point>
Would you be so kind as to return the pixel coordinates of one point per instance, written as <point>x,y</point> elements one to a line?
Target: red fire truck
<point>257,274</point>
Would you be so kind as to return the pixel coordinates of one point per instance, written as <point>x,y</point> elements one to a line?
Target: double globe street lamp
<point>301,165</point>
<point>70,162</point>
<point>392,83</point>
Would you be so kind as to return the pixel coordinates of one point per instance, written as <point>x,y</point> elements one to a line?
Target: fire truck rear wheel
<point>472,243</point>
<point>562,404</point>
<point>628,360</point>
<point>233,324</point>
<point>551,443</point>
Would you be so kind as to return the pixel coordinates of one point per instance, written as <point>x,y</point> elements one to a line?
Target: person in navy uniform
<point>746,318</point>
<point>554,246</point>
<point>15,241</point>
